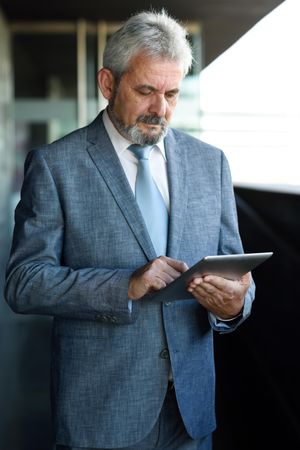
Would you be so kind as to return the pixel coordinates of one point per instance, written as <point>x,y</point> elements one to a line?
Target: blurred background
<point>242,95</point>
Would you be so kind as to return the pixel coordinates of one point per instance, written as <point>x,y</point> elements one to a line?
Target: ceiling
<point>224,21</point>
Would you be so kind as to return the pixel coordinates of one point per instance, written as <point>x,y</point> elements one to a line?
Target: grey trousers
<point>168,433</point>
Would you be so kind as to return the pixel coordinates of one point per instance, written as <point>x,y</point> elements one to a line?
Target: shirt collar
<point>119,142</point>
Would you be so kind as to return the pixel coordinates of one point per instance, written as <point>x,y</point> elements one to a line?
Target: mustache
<point>152,120</point>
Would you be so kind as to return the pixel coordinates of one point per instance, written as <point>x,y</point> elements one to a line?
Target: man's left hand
<point>224,298</point>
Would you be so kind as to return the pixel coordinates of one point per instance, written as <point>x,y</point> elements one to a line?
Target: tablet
<point>227,266</point>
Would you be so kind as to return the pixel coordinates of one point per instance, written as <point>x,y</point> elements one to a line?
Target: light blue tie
<point>150,200</point>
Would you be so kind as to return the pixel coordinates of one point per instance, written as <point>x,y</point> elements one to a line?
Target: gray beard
<point>135,135</point>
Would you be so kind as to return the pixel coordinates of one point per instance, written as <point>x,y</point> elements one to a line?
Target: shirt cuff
<point>228,320</point>
<point>221,324</point>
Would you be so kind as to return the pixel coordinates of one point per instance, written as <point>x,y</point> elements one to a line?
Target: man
<point>128,372</point>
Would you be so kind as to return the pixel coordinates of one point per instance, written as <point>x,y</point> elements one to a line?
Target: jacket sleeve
<point>36,281</point>
<point>230,242</point>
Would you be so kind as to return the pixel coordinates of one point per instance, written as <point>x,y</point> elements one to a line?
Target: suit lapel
<point>108,164</point>
<point>177,166</point>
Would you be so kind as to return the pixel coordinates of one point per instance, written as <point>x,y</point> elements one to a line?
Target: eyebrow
<point>153,89</point>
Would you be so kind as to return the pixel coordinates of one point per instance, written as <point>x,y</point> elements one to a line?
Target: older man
<point>114,211</point>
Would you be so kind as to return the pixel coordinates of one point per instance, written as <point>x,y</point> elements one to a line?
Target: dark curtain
<point>258,367</point>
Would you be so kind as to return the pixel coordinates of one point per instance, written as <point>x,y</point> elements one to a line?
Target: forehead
<point>161,73</point>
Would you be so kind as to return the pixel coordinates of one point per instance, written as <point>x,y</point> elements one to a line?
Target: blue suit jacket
<point>78,237</point>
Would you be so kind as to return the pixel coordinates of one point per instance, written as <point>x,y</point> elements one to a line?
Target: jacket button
<point>98,317</point>
<point>164,354</point>
<point>101,317</point>
<point>113,319</point>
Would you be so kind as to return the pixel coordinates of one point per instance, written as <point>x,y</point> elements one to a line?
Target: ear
<point>106,83</point>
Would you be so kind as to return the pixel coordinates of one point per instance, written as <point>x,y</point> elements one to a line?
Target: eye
<point>172,95</point>
<point>144,91</point>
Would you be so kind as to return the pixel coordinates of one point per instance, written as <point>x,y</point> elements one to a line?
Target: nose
<point>158,105</point>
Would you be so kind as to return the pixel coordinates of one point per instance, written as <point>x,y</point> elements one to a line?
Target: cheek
<point>126,110</point>
<point>137,108</point>
<point>130,108</point>
<point>170,110</point>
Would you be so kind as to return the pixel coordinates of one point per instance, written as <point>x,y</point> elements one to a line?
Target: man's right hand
<point>154,276</point>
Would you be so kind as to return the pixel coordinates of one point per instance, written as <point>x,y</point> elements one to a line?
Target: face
<point>142,103</point>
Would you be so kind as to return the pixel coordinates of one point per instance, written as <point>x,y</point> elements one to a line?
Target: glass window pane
<point>45,65</point>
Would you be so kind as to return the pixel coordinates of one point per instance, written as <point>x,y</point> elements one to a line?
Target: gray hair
<point>156,33</point>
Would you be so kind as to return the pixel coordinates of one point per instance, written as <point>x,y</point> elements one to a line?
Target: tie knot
<point>140,151</point>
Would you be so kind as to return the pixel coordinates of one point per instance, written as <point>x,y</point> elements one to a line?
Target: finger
<point>167,267</point>
<point>200,282</point>
<point>195,282</point>
<point>246,279</point>
<point>159,267</point>
<point>205,290</point>
<point>225,284</point>
<point>194,288</point>
<point>218,282</point>
<point>167,277</point>
<point>180,266</point>
<point>157,284</point>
